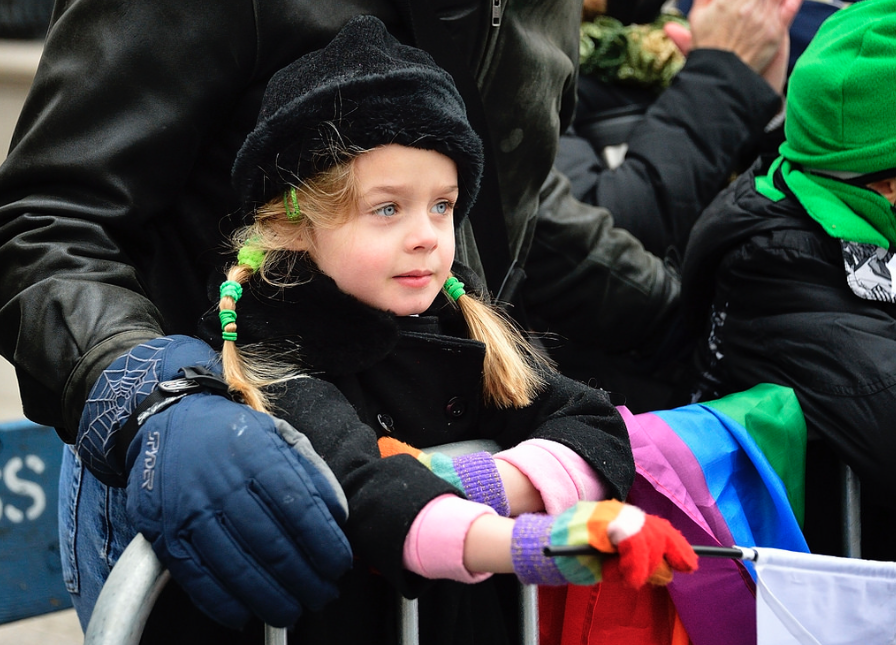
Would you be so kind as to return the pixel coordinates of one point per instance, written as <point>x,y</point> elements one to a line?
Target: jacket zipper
<point>491,37</point>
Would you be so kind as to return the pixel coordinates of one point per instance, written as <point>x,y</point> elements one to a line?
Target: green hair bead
<point>232,289</point>
<point>227,316</point>
<point>455,288</point>
<point>291,203</point>
<point>251,257</point>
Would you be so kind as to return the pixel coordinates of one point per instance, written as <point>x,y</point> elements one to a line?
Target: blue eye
<point>442,208</point>
<point>388,210</point>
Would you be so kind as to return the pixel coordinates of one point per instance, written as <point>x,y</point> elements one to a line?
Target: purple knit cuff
<point>482,483</point>
<point>531,534</point>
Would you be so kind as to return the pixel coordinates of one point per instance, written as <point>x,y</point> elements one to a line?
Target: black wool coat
<point>417,379</point>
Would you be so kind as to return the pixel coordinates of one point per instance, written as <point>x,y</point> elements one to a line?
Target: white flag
<point>808,599</point>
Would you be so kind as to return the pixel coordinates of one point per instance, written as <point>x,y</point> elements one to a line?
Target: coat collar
<point>317,326</point>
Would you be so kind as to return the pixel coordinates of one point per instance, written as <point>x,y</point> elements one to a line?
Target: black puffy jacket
<point>610,309</point>
<point>769,288</point>
<point>680,152</point>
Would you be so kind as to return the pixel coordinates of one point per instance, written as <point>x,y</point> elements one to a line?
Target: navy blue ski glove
<point>236,504</point>
<point>239,508</point>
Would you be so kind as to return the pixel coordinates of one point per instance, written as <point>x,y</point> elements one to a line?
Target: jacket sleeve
<point>593,283</point>
<point>699,131</point>
<point>117,117</point>
<point>385,495</point>
<point>579,417</point>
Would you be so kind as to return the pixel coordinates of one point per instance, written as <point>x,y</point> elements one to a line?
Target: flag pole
<point>735,552</point>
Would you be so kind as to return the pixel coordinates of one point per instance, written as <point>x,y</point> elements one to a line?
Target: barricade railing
<point>137,579</point>
<point>850,491</point>
<point>127,597</point>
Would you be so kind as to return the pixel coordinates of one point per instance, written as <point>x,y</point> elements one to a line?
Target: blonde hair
<point>510,378</point>
<point>274,242</point>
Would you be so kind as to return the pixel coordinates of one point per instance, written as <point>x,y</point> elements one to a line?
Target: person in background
<point>683,146</point>
<point>788,273</point>
<point>682,151</point>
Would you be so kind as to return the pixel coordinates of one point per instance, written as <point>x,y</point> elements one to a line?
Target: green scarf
<point>840,100</point>
<point>846,212</point>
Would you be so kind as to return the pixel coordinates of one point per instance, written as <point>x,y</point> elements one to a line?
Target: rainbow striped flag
<point>726,472</point>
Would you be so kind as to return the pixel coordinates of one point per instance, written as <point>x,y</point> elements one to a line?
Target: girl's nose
<point>423,234</point>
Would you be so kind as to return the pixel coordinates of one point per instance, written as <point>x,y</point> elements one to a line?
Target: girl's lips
<point>415,278</point>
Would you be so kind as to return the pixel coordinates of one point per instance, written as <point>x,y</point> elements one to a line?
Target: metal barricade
<point>852,512</point>
<point>138,578</point>
<point>409,627</point>
<point>127,597</point>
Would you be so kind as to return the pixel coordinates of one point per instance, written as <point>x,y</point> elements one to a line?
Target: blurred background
<point>23,24</point>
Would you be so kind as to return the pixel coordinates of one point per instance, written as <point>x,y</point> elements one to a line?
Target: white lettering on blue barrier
<point>15,484</point>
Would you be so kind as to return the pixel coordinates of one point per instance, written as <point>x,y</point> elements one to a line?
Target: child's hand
<point>649,547</point>
<point>474,474</point>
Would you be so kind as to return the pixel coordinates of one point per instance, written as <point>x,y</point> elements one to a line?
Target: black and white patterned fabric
<point>869,271</point>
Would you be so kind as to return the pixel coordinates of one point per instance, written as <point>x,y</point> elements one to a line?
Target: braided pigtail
<point>510,370</point>
<point>237,372</point>
<point>268,248</point>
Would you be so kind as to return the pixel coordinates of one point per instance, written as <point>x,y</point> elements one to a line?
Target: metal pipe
<point>529,614</point>
<point>127,597</point>
<point>408,621</point>
<point>850,496</point>
<point>736,552</point>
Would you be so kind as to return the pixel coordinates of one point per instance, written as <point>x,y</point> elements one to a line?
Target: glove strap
<point>196,379</point>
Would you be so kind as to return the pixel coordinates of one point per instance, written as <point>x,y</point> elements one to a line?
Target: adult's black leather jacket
<point>770,289</point>
<point>114,197</point>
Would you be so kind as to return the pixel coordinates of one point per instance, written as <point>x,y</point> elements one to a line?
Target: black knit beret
<point>363,89</point>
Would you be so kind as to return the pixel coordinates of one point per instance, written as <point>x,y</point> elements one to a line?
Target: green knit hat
<point>841,98</point>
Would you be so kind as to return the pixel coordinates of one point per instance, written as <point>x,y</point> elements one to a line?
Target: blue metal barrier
<point>30,569</point>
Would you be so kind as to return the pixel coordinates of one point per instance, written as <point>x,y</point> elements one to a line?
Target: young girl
<point>360,169</point>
